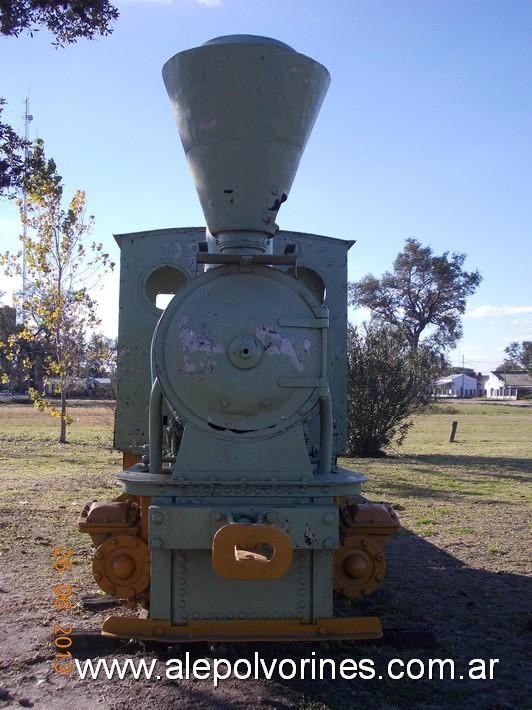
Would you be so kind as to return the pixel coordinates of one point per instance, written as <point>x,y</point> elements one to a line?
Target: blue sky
<point>426,132</point>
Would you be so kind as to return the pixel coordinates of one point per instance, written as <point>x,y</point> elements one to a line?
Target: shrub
<point>386,384</point>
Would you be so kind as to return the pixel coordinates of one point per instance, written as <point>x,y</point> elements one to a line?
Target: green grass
<point>438,486</point>
<point>41,479</point>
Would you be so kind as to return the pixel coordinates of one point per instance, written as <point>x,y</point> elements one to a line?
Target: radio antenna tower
<point>27,118</point>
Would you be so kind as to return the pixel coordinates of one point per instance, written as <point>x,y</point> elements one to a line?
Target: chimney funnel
<point>245,107</point>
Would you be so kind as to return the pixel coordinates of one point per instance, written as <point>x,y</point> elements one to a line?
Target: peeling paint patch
<point>276,205</point>
<point>276,344</point>
<point>285,525</point>
<point>310,536</point>
<point>192,342</point>
<point>200,368</point>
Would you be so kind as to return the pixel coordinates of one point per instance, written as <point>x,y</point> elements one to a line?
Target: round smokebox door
<point>240,352</point>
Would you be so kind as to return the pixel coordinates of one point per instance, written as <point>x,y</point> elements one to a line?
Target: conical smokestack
<point>245,107</point>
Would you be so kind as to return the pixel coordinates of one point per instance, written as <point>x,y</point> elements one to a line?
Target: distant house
<point>455,386</point>
<point>100,386</point>
<point>76,386</point>
<point>506,385</point>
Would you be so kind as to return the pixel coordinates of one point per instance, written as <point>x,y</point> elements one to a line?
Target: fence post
<point>454,427</point>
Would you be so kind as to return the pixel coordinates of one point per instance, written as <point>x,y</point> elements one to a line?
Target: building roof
<point>515,379</point>
<point>453,378</point>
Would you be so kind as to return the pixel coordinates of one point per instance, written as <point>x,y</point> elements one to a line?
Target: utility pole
<point>27,118</point>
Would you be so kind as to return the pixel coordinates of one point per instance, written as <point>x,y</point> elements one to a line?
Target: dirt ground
<point>461,568</point>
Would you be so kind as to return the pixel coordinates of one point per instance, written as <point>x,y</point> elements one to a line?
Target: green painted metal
<point>339,482</point>
<point>204,456</point>
<point>322,583</point>
<point>161,598</point>
<point>192,527</point>
<point>199,593</point>
<point>245,108</point>
<point>221,354</point>
<point>248,359</point>
<point>157,261</point>
<point>144,253</point>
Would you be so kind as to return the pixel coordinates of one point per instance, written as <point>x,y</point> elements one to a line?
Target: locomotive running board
<point>334,629</point>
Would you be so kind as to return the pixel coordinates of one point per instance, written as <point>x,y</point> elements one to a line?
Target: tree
<point>12,148</point>
<point>100,356</point>
<point>8,326</point>
<point>519,357</point>
<point>386,384</point>
<point>22,358</point>
<point>57,306</point>
<point>67,21</point>
<point>423,294</point>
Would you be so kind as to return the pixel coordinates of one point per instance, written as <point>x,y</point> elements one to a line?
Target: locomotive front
<point>235,522</point>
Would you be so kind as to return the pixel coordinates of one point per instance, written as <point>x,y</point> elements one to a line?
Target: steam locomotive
<point>235,521</point>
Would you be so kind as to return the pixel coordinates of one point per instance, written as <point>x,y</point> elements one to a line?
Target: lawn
<point>461,566</point>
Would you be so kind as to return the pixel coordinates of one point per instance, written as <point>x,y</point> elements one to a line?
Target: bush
<point>386,384</point>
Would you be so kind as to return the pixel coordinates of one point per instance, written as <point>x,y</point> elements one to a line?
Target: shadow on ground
<point>473,614</point>
<point>491,464</point>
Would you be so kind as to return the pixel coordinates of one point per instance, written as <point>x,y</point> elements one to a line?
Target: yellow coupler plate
<point>368,627</point>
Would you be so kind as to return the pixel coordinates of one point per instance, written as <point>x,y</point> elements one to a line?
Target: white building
<point>455,386</point>
<point>506,385</point>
